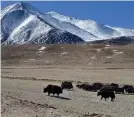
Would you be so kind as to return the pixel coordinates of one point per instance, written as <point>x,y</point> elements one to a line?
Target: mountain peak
<point>23,19</point>
<point>53,12</point>
<point>19,5</point>
<point>22,5</point>
<point>61,16</point>
<point>13,7</point>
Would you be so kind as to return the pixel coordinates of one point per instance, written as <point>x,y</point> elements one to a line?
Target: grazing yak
<point>114,86</point>
<point>86,86</point>
<point>66,85</point>
<point>94,87</point>
<point>97,85</point>
<point>128,87</point>
<point>106,94</point>
<point>119,90</point>
<point>53,89</point>
<point>130,90</point>
<point>107,88</point>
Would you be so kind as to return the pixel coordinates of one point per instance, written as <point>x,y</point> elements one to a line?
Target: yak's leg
<point>101,98</point>
<point>112,99</point>
<point>53,94</point>
<point>48,94</point>
<point>58,94</point>
<point>105,99</point>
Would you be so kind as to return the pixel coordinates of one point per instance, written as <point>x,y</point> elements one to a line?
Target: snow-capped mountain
<point>23,24</point>
<point>100,30</point>
<point>20,22</point>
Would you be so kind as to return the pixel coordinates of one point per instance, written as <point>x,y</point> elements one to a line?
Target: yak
<point>119,90</point>
<point>114,86</point>
<point>97,85</point>
<point>54,89</point>
<point>79,86</point>
<point>127,86</point>
<point>130,90</point>
<point>106,94</point>
<point>66,85</point>
<point>107,88</point>
<point>85,86</point>
<point>88,87</point>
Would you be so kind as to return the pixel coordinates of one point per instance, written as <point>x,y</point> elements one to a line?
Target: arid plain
<point>27,69</point>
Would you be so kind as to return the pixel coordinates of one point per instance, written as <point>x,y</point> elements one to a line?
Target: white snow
<point>123,31</point>
<point>107,46</point>
<point>34,25</point>
<point>7,9</point>
<point>100,30</point>
<point>42,48</point>
<point>18,29</point>
<point>46,19</point>
<point>31,25</point>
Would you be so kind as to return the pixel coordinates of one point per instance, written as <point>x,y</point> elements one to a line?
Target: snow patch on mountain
<point>100,30</point>
<point>30,29</point>
<point>23,24</point>
<point>123,31</point>
<point>61,25</point>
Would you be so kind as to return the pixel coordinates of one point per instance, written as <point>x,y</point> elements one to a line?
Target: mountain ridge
<point>29,25</point>
<point>87,24</point>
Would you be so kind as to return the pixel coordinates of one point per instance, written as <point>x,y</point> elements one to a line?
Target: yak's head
<point>45,90</point>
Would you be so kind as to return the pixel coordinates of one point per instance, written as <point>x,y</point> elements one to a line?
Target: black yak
<point>66,85</point>
<point>53,89</point>
<point>84,86</point>
<point>106,94</point>
<point>119,90</point>
<point>97,85</point>
<point>107,88</point>
<point>114,86</point>
<point>130,90</point>
<point>87,87</point>
<point>127,86</point>
<point>79,86</point>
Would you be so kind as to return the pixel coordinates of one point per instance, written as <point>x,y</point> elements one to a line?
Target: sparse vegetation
<point>77,54</point>
<point>26,71</point>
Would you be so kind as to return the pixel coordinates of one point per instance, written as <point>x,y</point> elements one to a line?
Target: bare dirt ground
<point>26,70</point>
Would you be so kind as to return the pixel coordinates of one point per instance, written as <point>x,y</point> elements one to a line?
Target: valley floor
<point>22,92</point>
<point>25,73</point>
